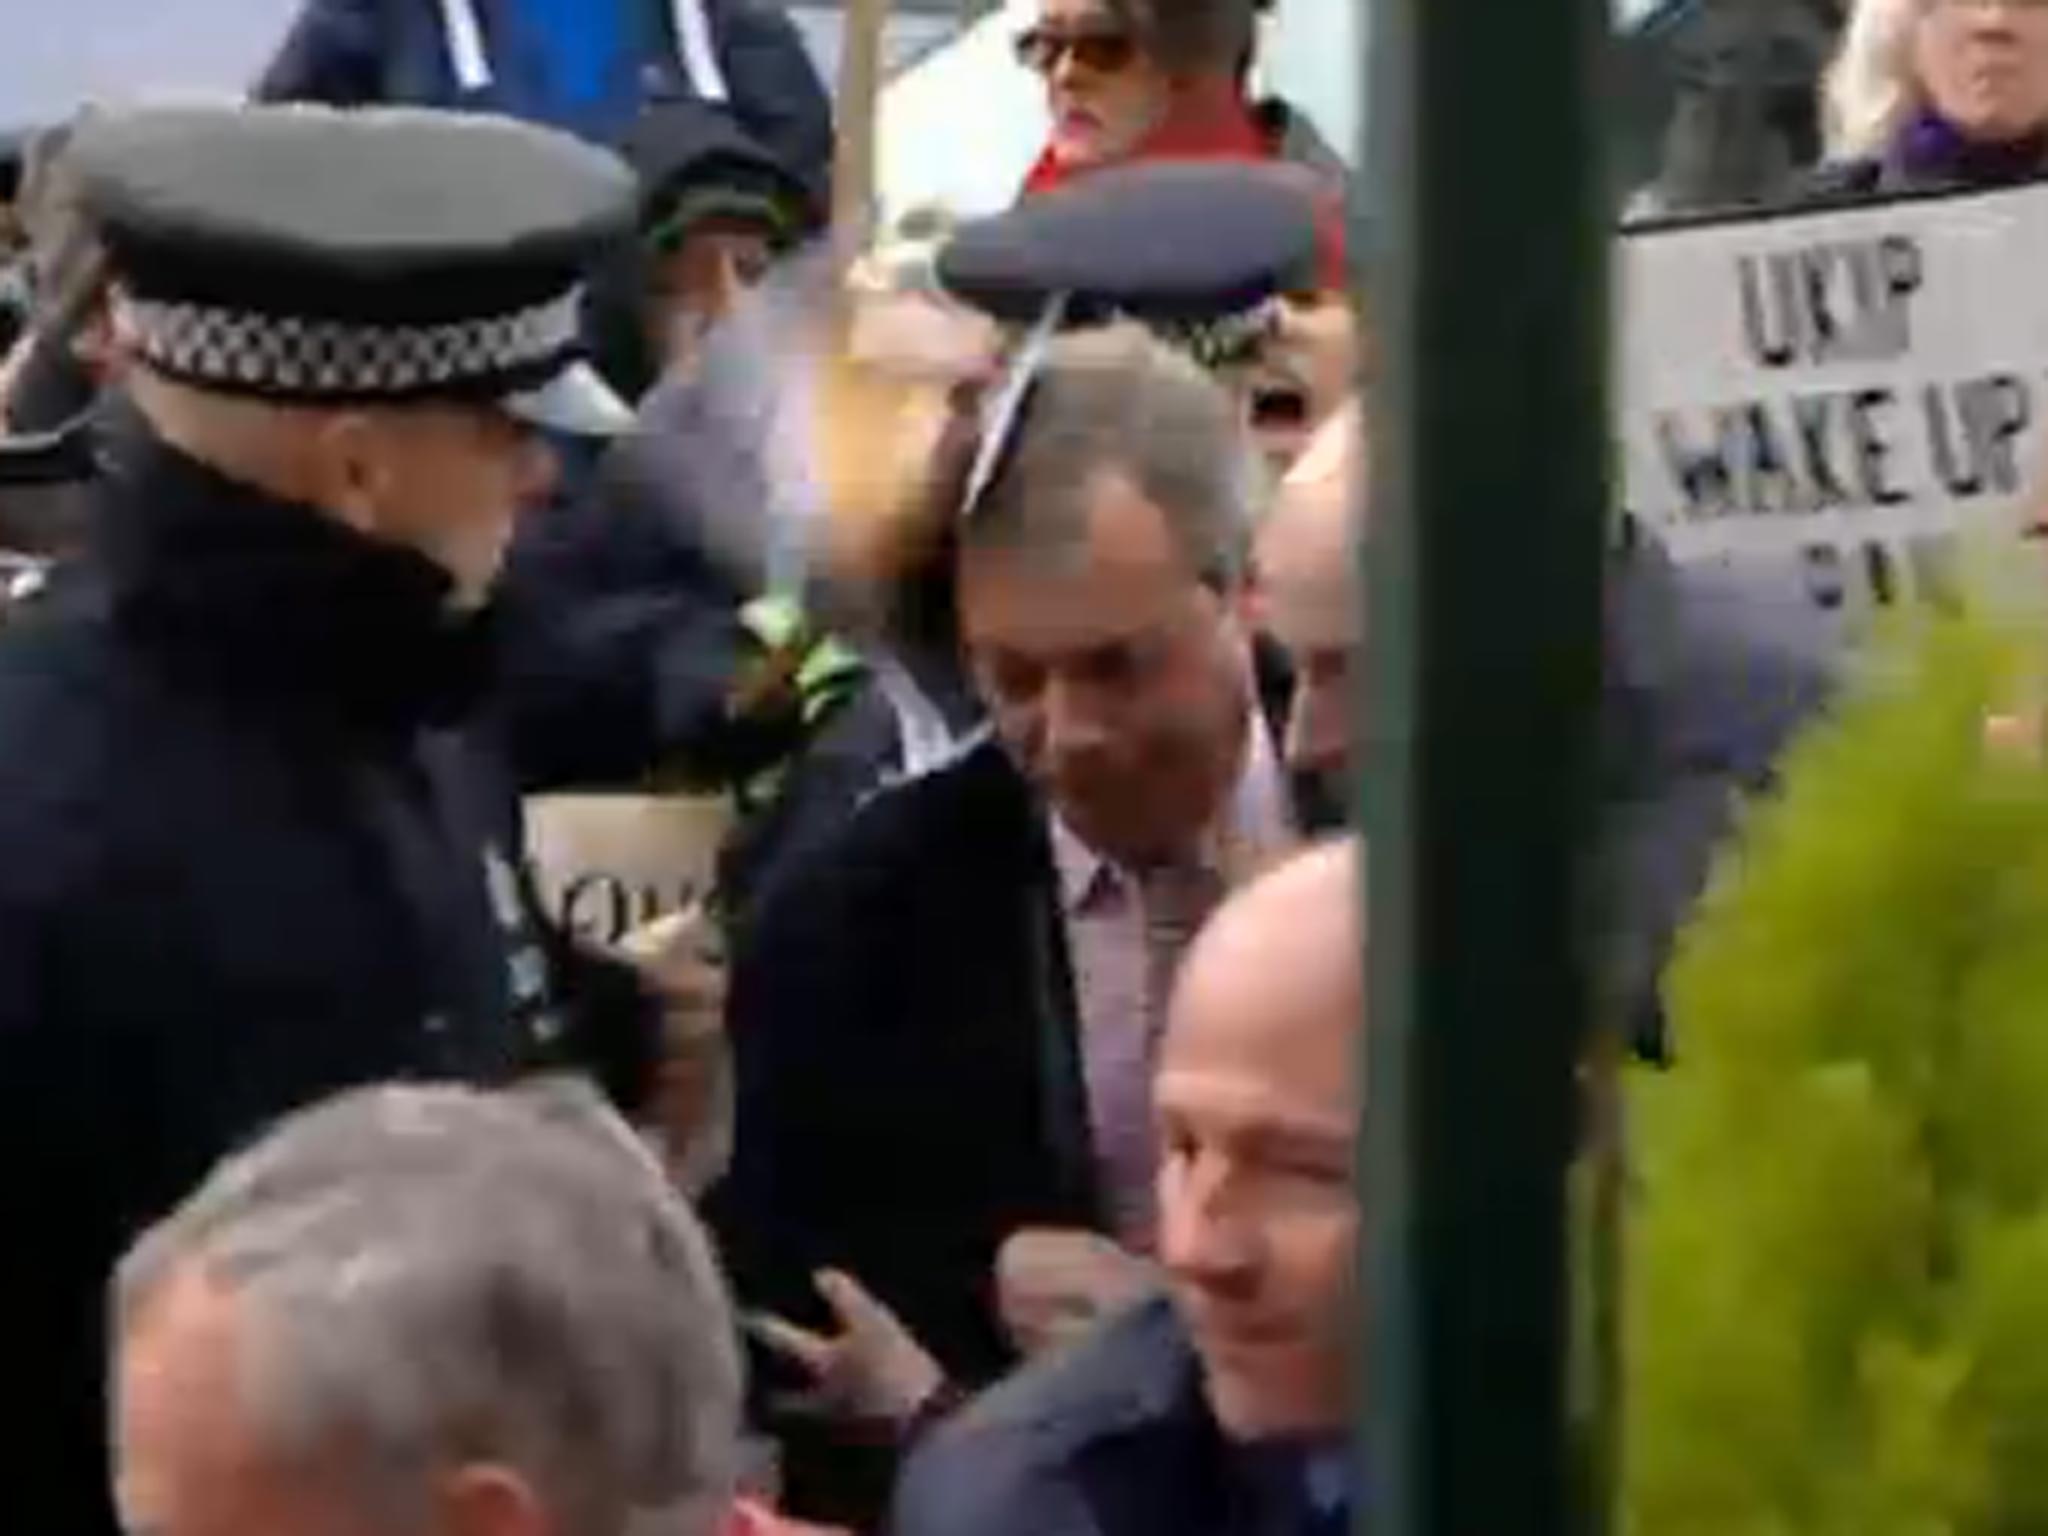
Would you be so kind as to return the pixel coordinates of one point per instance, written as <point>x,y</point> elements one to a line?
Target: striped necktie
<point>1171,905</point>
<point>1177,900</point>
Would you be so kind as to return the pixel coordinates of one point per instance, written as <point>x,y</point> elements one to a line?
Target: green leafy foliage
<point>1836,1292</point>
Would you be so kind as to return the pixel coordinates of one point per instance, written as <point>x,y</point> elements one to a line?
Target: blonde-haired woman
<point>1938,93</point>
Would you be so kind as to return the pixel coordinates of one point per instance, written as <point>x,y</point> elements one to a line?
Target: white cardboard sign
<point>1823,401</point>
<point>607,864</point>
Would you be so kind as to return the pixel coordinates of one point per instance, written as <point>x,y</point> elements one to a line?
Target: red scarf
<point>1198,128</point>
<point>1212,127</point>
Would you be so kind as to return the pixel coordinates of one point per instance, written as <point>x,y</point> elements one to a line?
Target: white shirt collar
<point>1254,827</point>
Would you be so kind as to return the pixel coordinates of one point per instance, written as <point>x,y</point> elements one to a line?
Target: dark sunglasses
<point>1102,52</point>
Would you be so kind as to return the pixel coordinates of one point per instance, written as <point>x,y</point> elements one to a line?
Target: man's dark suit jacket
<point>909,1086</point>
<point>1113,1438</point>
<point>909,1089</point>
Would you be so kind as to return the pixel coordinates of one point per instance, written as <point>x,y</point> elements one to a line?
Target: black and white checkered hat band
<point>281,355</point>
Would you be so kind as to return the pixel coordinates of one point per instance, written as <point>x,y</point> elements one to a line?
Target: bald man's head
<point>1258,1097</point>
<point>1307,562</point>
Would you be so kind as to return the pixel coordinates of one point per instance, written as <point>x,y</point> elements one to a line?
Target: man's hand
<point>871,1374</point>
<point>1054,1284</point>
<point>681,960</point>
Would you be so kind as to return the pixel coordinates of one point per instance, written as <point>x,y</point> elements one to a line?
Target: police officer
<point>250,855</point>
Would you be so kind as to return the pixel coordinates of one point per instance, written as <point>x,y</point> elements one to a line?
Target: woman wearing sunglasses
<point>1156,79</point>
<point>1130,80</point>
<point>1937,94</point>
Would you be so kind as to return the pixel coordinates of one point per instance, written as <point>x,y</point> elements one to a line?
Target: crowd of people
<point>367,468</point>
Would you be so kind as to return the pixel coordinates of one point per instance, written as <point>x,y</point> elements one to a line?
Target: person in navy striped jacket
<point>590,66</point>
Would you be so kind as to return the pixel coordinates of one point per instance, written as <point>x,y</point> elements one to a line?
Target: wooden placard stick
<point>860,92</point>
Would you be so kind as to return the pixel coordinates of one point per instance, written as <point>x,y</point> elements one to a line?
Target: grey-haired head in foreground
<point>433,1278</point>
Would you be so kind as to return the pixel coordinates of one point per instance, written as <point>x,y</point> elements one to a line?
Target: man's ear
<point>488,1500</point>
<point>350,469</point>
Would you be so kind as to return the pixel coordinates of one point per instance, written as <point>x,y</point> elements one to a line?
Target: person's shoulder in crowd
<point>62,692</point>
<point>1710,673</point>
<point>1839,181</point>
<point>965,814</point>
<point>1865,177</point>
<point>1298,141</point>
<point>822,786</point>
<point>832,914</point>
<point>1735,659</point>
<point>1010,1464</point>
<point>975,784</point>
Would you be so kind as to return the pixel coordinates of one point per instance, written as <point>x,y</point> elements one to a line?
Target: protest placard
<point>606,865</point>
<point>1816,404</point>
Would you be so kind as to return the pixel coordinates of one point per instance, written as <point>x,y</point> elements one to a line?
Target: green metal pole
<point>1486,232</point>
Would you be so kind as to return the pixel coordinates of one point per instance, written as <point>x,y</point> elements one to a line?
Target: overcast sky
<point>59,52</point>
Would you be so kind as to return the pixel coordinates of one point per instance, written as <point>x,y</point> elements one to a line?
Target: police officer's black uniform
<point>246,856</point>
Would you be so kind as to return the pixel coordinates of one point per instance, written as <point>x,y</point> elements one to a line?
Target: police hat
<point>1195,250</point>
<point>1168,243</point>
<point>301,254</point>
